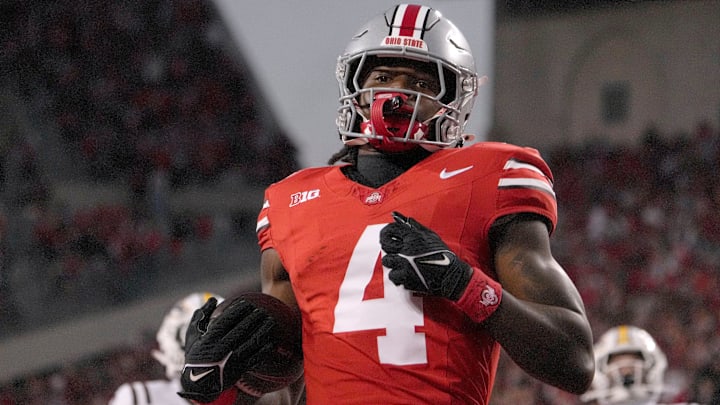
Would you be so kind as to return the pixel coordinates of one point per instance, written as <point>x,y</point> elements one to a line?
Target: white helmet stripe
<point>409,21</point>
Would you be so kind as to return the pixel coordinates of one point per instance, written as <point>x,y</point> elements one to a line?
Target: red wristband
<point>227,397</point>
<point>481,297</point>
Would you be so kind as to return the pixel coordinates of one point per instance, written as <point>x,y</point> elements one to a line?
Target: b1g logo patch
<point>303,196</point>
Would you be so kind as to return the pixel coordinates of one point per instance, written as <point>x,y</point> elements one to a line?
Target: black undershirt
<point>374,170</point>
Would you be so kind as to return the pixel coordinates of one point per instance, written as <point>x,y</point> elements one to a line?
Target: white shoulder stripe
<point>516,164</point>
<point>263,222</point>
<point>266,204</point>
<point>527,183</point>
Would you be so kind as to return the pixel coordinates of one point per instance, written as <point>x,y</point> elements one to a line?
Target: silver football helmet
<point>171,334</point>
<point>628,380</point>
<point>420,34</point>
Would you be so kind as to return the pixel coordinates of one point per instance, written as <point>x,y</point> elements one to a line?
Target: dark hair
<point>347,154</point>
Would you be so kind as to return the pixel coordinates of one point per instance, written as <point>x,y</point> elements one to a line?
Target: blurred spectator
<point>705,388</point>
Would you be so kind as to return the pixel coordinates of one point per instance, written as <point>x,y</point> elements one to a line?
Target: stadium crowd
<point>136,87</point>
<point>148,97</point>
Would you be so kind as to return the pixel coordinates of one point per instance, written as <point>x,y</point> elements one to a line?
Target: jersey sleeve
<point>295,189</point>
<point>263,224</point>
<point>525,185</point>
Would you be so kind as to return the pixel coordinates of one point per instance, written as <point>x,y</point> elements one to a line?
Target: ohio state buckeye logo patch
<point>488,297</point>
<point>373,198</point>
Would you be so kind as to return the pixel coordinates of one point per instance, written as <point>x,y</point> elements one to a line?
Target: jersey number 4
<point>398,312</point>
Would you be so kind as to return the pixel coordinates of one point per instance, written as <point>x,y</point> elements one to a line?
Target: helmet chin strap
<point>390,117</point>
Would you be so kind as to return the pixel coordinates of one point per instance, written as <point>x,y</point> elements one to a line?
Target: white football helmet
<point>171,335</point>
<point>421,34</point>
<point>629,381</point>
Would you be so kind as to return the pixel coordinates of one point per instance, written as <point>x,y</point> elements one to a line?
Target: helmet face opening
<point>445,77</point>
<point>416,36</point>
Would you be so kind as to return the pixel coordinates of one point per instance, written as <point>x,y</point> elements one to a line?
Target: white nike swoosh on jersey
<point>444,262</point>
<point>195,377</point>
<point>444,174</point>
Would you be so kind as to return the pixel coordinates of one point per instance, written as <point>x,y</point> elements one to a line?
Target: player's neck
<point>376,169</point>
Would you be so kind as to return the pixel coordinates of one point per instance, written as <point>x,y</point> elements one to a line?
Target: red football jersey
<point>367,341</point>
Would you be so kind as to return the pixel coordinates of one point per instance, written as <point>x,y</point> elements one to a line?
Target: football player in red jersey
<point>412,260</point>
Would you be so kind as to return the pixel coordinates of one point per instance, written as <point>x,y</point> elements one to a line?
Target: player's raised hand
<point>420,261</point>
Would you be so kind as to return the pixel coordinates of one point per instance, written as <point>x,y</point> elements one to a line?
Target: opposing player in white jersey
<point>170,353</point>
<point>630,369</point>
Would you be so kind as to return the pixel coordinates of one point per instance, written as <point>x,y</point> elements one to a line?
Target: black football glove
<point>419,260</point>
<point>217,353</point>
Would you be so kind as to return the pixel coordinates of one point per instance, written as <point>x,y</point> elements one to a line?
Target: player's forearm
<point>541,320</point>
<point>553,344</point>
